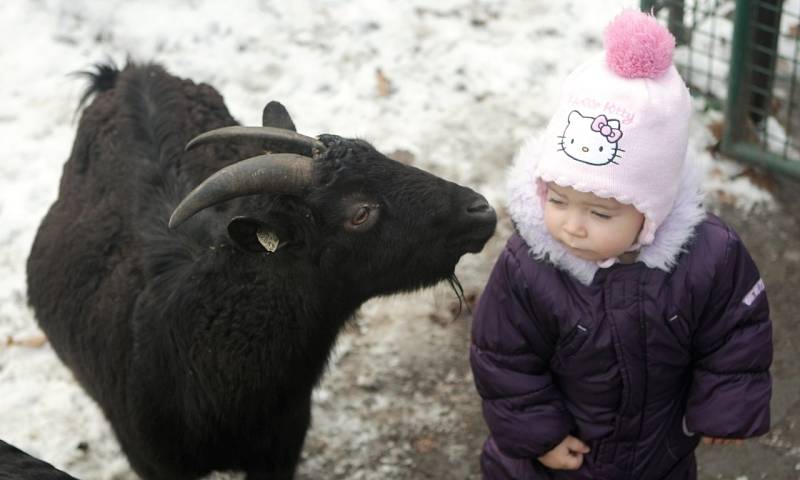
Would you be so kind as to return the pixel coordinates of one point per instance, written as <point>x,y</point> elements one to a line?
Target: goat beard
<point>458,289</point>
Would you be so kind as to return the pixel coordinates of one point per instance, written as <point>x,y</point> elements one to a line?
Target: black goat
<point>202,343</point>
<point>18,465</point>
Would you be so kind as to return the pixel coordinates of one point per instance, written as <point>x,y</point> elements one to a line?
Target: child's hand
<point>722,441</point>
<point>567,455</point>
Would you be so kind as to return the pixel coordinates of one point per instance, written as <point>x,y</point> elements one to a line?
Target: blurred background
<point>451,86</point>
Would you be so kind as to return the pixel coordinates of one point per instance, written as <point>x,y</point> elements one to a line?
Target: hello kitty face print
<point>591,140</point>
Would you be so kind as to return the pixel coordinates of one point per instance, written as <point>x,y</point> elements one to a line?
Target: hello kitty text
<point>610,108</point>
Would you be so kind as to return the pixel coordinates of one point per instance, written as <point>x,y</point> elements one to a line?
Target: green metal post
<point>675,22</point>
<point>735,106</point>
<point>649,5</point>
<point>756,156</point>
<point>765,50</point>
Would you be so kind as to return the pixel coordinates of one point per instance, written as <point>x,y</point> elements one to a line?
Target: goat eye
<point>361,216</point>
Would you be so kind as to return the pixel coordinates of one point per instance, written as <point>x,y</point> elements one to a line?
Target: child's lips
<point>580,252</point>
<point>577,251</point>
<point>573,247</point>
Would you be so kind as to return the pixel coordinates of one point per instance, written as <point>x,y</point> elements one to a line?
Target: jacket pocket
<point>680,442</point>
<point>679,328</point>
<point>678,452</point>
<point>572,342</point>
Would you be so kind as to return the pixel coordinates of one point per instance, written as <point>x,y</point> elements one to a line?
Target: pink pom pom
<point>638,46</point>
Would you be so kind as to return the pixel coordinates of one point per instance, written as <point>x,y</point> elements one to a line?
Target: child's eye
<point>572,141</point>
<point>555,201</point>
<point>601,149</point>
<point>601,215</point>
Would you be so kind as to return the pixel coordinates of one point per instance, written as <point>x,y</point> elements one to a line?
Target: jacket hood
<point>525,207</point>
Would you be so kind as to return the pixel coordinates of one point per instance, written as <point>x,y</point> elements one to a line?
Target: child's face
<point>591,227</point>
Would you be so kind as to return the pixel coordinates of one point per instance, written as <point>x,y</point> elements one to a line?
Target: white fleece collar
<point>672,235</point>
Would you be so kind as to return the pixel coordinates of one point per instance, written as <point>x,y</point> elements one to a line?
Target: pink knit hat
<point>621,127</point>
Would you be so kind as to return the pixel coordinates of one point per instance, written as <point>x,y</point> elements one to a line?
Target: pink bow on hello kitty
<point>600,124</point>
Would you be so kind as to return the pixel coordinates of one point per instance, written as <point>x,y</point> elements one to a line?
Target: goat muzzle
<point>270,173</point>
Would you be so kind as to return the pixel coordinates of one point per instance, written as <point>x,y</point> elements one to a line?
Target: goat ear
<point>276,116</point>
<point>258,236</point>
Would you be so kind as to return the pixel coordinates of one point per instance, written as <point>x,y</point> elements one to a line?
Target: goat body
<point>18,465</point>
<point>201,347</point>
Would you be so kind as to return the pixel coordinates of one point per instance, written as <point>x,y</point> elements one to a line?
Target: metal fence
<point>744,57</point>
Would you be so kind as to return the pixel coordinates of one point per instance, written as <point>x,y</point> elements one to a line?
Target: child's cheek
<point>549,220</point>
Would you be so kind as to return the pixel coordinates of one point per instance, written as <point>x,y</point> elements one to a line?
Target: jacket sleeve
<point>732,347</point>
<point>509,357</point>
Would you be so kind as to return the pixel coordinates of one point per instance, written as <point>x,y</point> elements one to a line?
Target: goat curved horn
<point>276,173</point>
<point>291,141</point>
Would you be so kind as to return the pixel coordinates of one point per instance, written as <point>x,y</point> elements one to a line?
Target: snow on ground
<point>456,84</point>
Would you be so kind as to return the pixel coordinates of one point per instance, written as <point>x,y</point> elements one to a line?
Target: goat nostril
<point>479,206</point>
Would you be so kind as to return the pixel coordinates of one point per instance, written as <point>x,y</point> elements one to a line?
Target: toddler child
<point>622,323</point>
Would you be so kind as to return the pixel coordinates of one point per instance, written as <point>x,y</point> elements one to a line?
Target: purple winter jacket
<point>629,362</point>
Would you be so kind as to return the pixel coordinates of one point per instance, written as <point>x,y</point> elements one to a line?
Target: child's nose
<point>584,149</point>
<point>574,227</point>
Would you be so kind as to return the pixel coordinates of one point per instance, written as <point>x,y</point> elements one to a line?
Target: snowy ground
<point>452,85</point>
